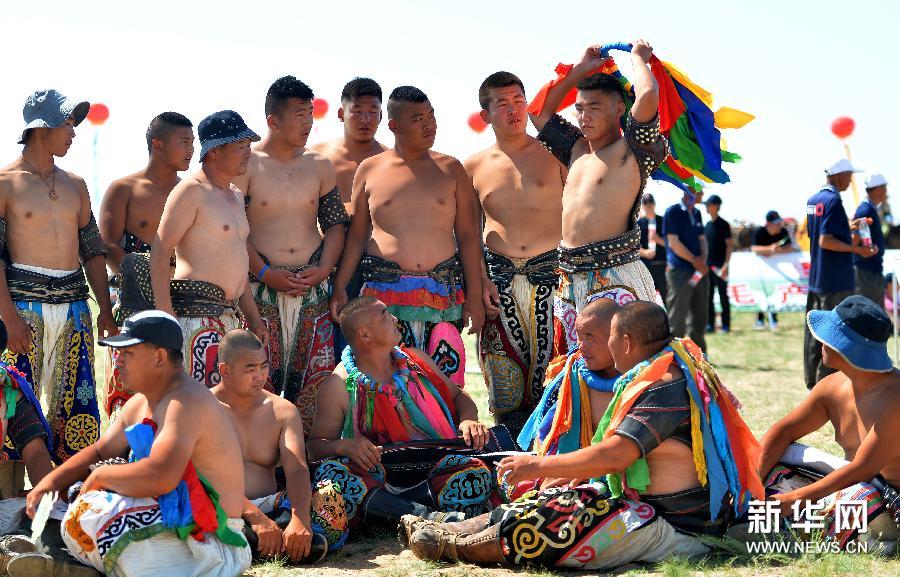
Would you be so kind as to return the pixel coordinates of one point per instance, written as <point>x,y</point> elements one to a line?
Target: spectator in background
<point>769,240</point>
<point>870,270</point>
<point>686,277</point>
<point>720,245</point>
<point>653,244</point>
<point>831,253</point>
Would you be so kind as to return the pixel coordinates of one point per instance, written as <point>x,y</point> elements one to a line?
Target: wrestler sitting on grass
<point>861,400</point>
<point>673,465</point>
<point>384,393</point>
<point>270,431</point>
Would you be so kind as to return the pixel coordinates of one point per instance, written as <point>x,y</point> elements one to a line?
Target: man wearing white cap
<point>831,251</point>
<point>870,270</point>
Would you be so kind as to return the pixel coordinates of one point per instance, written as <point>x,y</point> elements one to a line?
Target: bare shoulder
<point>478,159</point>
<point>190,186</point>
<point>320,161</point>
<point>329,148</point>
<point>122,188</point>
<point>283,408</point>
<point>76,181</point>
<point>375,161</point>
<point>448,163</point>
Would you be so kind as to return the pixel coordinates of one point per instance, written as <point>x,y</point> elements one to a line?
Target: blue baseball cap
<point>221,128</point>
<point>49,109</point>
<point>858,330</point>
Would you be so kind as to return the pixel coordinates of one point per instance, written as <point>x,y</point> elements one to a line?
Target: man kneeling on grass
<point>175,508</point>
<point>861,400</point>
<point>677,458</point>
<point>270,431</point>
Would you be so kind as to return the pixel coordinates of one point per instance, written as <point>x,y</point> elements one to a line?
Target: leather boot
<point>383,509</point>
<point>409,524</point>
<point>435,544</point>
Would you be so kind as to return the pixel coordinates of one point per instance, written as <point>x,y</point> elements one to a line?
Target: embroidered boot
<point>409,524</point>
<point>436,544</point>
<point>383,509</point>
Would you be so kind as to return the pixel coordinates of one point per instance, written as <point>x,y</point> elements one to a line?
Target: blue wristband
<point>262,272</point>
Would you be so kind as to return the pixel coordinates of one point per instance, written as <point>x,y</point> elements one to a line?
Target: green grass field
<point>764,369</point>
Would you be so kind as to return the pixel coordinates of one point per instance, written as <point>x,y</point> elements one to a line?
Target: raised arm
<point>468,241</point>
<point>113,210</point>
<point>177,217</point>
<point>356,239</point>
<point>646,91</point>
<point>590,62</point>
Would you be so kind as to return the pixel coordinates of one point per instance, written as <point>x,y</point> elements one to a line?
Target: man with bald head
<point>382,393</point>
<point>414,219</point>
<point>655,500</point>
<point>565,418</point>
<point>270,431</point>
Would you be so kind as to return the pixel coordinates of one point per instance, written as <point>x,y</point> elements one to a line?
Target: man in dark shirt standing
<point>831,278</point>
<point>653,256</point>
<point>870,270</point>
<point>770,240</point>
<point>720,244</point>
<point>687,273</point>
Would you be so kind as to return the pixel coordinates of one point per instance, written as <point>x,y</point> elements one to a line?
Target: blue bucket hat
<point>858,330</point>
<point>49,109</point>
<point>221,128</point>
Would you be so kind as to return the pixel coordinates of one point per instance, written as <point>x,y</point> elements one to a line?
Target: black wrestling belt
<point>540,269</point>
<point>190,298</point>
<point>30,286</point>
<point>688,511</point>
<point>408,463</point>
<point>197,298</point>
<point>616,251</point>
<point>377,269</point>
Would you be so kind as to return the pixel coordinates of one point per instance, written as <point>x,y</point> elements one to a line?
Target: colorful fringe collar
<point>685,119</point>
<point>14,381</point>
<point>725,450</point>
<point>192,508</point>
<point>562,422</point>
<point>415,405</point>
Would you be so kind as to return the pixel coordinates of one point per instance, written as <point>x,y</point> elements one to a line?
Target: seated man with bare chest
<point>668,465</point>
<point>414,217</point>
<point>204,223</point>
<point>599,255</point>
<point>174,508</point>
<point>861,401</point>
<point>290,195</point>
<point>129,217</point>
<point>270,431</point>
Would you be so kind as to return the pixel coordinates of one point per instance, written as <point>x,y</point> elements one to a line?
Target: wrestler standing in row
<point>129,217</point>
<point>599,253</point>
<point>414,216</point>
<point>519,186</point>
<point>204,222</point>
<point>287,188</point>
<point>50,233</point>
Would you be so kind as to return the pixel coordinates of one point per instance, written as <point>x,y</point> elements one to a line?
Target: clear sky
<point>795,65</point>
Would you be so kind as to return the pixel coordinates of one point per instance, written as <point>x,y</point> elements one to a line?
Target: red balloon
<point>320,108</point>
<point>842,126</point>
<point>98,113</point>
<point>476,123</point>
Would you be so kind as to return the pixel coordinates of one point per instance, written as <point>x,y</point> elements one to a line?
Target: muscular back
<point>600,192</point>
<point>212,229</point>
<point>283,202</point>
<point>40,231</point>
<point>521,197</point>
<point>412,207</point>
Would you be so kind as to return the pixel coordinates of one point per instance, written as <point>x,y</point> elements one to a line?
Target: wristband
<point>262,272</point>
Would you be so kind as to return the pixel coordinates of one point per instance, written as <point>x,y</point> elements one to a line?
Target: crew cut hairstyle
<point>162,126</point>
<point>360,87</point>
<point>603,82</point>
<point>643,321</point>
<point>401,95</point>
<point>500,79</point>
<point>281,90</point>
